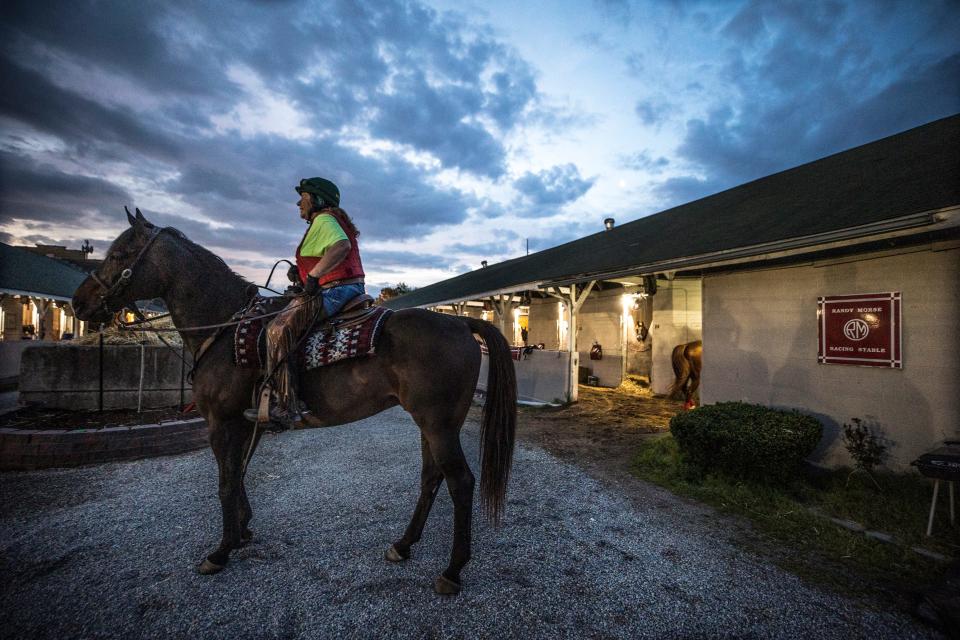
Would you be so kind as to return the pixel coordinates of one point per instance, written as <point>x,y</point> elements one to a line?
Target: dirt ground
<point>601,432</point>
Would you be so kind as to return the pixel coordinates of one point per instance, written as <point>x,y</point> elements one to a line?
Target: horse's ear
<point>142,220</point>
<point>130,218</point>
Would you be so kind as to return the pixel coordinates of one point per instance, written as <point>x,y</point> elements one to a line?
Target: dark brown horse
<point>687,360</point>
<point>426,362</point>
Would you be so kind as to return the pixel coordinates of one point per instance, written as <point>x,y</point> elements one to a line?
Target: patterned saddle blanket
<point>352,335</point>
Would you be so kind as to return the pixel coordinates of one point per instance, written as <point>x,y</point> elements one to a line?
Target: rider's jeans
<point>335,297</point>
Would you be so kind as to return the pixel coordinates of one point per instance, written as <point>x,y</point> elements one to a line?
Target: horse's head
<point>126,275</point>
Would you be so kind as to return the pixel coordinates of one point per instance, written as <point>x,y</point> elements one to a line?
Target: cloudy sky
<point>458,132</point>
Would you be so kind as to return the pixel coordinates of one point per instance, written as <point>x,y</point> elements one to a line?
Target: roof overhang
<point>35,294</point>
<point>512,289</point>
<point>913,224</point>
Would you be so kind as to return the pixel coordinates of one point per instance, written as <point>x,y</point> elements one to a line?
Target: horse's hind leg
<point>430,479</point>
<point>449,456</point>
<point>227,439</point>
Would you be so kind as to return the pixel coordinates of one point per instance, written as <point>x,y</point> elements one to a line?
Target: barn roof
<point>881,185</point>
<point>26,273</point>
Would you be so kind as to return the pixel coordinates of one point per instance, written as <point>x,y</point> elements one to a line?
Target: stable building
<point>830,288</point>
<point>35,295</point>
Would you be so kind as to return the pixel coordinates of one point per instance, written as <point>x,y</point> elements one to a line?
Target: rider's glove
<point>312,286</point>
<point>293,275</point>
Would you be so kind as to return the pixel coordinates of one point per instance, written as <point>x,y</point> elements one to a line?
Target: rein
<point>132,326</point>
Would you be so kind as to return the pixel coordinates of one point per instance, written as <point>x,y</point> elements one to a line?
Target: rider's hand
<point>293,275</point>
<point>312,286</point>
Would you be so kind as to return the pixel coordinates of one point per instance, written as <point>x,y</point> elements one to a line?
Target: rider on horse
<point>329,269</point>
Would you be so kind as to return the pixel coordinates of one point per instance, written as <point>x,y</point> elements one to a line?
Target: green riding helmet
<point>321,187</point>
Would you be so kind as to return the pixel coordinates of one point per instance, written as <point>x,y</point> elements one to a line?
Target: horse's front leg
<point>228,439</point>
<point>246,512</point>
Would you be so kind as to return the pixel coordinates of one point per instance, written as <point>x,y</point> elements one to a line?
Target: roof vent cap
<point>608,223</point>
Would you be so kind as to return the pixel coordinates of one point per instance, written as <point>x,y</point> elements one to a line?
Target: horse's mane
<point>209,260</point>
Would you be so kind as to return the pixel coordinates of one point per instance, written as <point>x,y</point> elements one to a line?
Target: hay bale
<point>114,335</point>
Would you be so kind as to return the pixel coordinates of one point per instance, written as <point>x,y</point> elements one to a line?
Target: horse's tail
<point>499,424</point>
<point>681,371</point>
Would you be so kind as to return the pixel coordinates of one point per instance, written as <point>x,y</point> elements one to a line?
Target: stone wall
<point>68,376</point>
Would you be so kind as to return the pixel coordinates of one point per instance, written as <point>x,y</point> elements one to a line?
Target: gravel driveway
<point>110,551</point>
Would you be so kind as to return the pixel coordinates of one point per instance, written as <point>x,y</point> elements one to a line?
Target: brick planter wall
<point>23,449</point>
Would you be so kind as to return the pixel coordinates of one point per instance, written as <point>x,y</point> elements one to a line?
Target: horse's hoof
<point>208,568</point>
<point>393,555</point>
<point>245,538</point>
<point>446,587</point>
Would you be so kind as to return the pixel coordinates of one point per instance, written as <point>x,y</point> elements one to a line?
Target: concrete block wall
<point>760,346</point>
<point>542,376</point>
<point>601,320</point>
<point>542,323</point>
<point>10,354</point>
<point>67,376</point>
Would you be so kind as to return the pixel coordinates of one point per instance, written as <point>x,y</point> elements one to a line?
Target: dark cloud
<point>565,232</point>
<point>30,98</point>
<point>498,248</point>
<point>31,191</point>
<point>815,79</point>
<point>432,119</point>
<point>634,64</point>
<point>514,90</point>
<point>644,161</point>
<point>652,112</point>
<point>165,49</point>
<point>552,188</point>
<point>399,69</point>
<point>620,11</point>
<point>384,260</point>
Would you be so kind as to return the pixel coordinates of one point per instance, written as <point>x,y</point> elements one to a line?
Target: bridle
<point>124,278</point>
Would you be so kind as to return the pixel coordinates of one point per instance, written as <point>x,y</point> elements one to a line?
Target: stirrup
<point>281,420</point>
<point>263,415</point>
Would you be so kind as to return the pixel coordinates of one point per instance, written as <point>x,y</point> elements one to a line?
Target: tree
<point>395,291</point>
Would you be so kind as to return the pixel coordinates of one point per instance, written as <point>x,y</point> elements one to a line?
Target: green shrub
<point>745,439</point>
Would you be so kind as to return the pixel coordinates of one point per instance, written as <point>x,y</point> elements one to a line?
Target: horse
<point>687,360</point>
<point>426,362</point>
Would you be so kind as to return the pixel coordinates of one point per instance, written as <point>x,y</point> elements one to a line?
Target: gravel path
<point>110,552</point>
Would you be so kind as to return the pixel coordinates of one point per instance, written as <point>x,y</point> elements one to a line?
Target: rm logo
<point>856,329</point>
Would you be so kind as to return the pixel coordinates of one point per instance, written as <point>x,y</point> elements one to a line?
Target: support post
<point>573,300</point>
<point>933,507</point>
<point>100,403</point>
<point>143,366</point>
<point>502,304</point>
<point>183,366</point>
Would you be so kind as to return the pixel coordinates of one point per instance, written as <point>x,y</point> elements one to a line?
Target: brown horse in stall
<point>426,362</point>
<point>687,360</point>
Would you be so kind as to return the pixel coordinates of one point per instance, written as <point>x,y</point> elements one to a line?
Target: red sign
<point>861,329</point>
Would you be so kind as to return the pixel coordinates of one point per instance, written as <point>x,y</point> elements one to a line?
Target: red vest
<point>348,268</point>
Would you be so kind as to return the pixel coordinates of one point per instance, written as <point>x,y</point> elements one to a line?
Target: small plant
<point>867,449</point>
